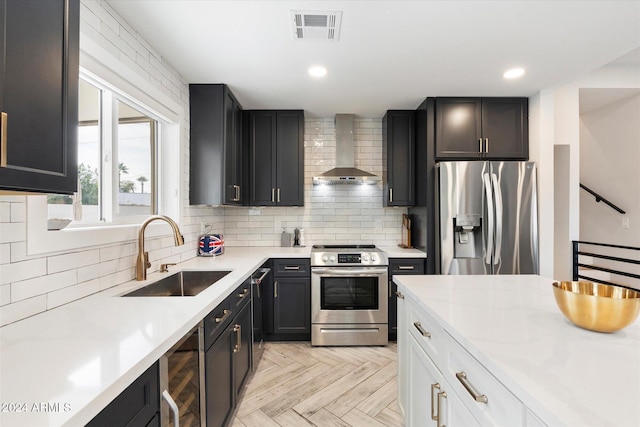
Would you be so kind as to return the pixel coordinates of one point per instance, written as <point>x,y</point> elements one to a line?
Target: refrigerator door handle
<point>497,194</point>
<point>488,191</point>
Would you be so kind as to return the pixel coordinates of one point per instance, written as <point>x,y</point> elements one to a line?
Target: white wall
<point>610,165</point>
<point>562,116</point>
<point>33,284</point>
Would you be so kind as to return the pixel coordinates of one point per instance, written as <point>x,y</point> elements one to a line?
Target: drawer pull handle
<point>292,267</point>
<point>406,267</point>
<point>420,329</point>
<point>244,293</point>
<point>238,331</point>
<point>4,118</point>
<point>225,314</point>
<point>462,377</point>
<point>442,394</point>
<point>275,289</point>
<point>435,386</point>
<point>399,295</point>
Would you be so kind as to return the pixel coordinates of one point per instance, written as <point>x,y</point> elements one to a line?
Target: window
<point>118,143</point>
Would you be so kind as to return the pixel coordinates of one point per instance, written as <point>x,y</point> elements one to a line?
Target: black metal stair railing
<point>599,198</point>
<point>627,268</point>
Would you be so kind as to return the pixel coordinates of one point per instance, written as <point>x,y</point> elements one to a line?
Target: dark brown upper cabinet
<point>215,146</point>
<point>39,95</point>
<point>398,147</point>
<point>275,141</point>
<point>482,128</point>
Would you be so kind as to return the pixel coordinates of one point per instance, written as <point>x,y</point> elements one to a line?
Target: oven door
<point>349,295</point>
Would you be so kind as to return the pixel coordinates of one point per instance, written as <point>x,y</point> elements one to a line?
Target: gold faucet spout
<point>142,261</point>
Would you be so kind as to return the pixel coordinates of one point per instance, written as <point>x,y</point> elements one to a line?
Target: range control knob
<point>373,258</point>
<point>332,258</point>
<point>325,258</point>
<point>365,257</point>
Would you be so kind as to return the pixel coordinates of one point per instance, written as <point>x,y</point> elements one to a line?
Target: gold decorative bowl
<point>596,306</point>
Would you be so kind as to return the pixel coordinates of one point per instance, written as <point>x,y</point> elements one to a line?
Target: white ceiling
<point>391,54</point>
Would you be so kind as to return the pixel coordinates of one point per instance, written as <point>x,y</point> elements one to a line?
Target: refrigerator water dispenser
<point>468,236</point>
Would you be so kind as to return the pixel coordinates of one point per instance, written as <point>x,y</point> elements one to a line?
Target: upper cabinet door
<point>505,128</point>
<point>482,128</point>
<point>458,128</point>
<point>290,158</point>
<point>215,168</point>
<point>276,159</point>
<point>39,95</point>
<point>262,157</point>
<point>398,146</point>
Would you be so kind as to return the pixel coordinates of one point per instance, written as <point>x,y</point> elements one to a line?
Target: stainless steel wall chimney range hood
<point>345,171</point>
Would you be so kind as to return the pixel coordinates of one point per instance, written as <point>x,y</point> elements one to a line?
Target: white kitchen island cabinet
<point>503,354</point>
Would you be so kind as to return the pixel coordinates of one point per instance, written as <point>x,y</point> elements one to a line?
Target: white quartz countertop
<point>511,324</point>
<point>75,359</point>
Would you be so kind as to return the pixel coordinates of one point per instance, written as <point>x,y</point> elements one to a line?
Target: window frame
<point>115,76</point>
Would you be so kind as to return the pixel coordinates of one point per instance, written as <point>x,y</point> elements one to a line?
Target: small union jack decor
<point>211,245</point>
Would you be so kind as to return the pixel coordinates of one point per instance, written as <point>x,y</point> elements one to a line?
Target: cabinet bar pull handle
<point>420,329</point>
<point>406,267</point>
<point>480,145</point>
<point>391,195</point>
<point>399,295</point>
<point>292,267</point>
<point>237,187</point>
<point>435,386</point>
<point>278,198</point>
<point>390,294</point>
<point>273,195</point>
<point>244,293</point>
<point>3,139</point>
<point>486,145</point>
<point>238,331</point>
<point>442,394</point>
<point>462,377</point>
<point>225,314</point>
<point>275,289</point>
<point>174,408</point>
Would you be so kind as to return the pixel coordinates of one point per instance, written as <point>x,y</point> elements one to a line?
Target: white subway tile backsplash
<point>12,232</point>
<point>5,212</point>
<point>13,312</point>
<point>18,212</point>
<point>24,270</point>
<point>72,260</point>
<point>5,253</point>
<point>72,293</point>
<point>41,285</point>
<point>93,271</point>
<point>5,294</point>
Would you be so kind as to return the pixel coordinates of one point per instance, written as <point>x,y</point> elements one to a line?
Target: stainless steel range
<point>349,286</point>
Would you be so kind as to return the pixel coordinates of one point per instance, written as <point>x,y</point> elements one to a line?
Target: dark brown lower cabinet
<point>219,379</point>
<point>228,363</point>
<point>137,405</point>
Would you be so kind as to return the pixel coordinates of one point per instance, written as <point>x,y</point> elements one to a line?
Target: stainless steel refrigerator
<point>487,221</point>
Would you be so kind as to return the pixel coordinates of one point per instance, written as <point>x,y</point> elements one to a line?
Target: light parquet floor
<point>297,385</point>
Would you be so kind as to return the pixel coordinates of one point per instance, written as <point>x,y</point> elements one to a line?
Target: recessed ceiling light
<point>513,73</point>
<point>317,71</point>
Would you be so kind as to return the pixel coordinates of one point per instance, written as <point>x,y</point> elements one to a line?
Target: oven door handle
<point>348,271</point>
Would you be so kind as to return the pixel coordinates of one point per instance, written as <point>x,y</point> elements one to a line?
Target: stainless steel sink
<point>182,284</point>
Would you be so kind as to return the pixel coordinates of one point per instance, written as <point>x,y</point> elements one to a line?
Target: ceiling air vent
<point>316,25</point>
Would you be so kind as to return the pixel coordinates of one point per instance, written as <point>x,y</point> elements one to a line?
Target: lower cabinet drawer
<point>217,321</point>
<point>429,335</point>
<point>137,405</point>
<point>488,400</point>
